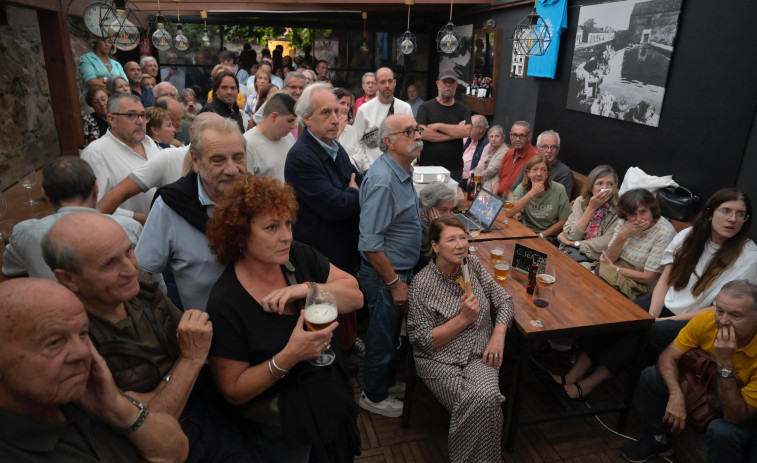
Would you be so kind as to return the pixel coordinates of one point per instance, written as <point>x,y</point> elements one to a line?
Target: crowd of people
<point>208,206</point>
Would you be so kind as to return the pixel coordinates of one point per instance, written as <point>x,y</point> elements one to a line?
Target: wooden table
<point>582,304</point>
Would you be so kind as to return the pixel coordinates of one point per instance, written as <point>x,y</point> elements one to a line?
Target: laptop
<point>485,208</point>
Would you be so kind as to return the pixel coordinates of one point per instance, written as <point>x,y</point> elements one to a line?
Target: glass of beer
<point>501,271</point>
<point>544,291</point>
<point>320,312</point>
<point>509,204</point>
<point>496,253</point>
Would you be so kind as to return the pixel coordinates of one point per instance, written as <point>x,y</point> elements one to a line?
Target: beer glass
<point>320,312</point>
<point>496,253</point>
<point>544,291</point>
<point>507,206</point>
<point>27,177</point>
<point>501,271</point>
<point>474,227</point>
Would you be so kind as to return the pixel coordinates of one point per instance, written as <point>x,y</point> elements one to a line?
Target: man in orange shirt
<point>522,150</point>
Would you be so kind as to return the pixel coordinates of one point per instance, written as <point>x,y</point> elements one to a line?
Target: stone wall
<point>27,128</point>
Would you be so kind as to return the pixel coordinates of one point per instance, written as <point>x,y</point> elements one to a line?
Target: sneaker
<point>398,390</point>
<point>389,407</point>
<point>359,348</point>
<point>646,448</point>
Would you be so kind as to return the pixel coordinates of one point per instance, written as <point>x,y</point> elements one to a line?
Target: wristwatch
<point>725,373</point>
<point>577,244</point>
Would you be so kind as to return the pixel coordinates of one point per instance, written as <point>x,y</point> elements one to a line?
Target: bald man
<point>58,401</point>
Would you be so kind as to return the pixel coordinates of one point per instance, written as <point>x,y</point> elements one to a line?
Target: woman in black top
<point>260,352</point>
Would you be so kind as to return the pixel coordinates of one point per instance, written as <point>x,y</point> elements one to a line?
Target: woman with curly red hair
<point>260,351</point>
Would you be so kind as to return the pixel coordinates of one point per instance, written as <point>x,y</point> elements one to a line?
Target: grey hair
<point>367,74</point>
<point>482,121</point>
<point>305,105</point>
<point>548,132</point>
<point>223,125</point>
<point>524,124</point>
<point>293,75</point>
<point>163,84</point>
<point>145,60</point>
<point>384,131</point>
<point>434,194</point>
<point>311,72</point>
<point>59,255</point>
<point>114,102</point>
<point>741,288</point>
<point>497,128</point>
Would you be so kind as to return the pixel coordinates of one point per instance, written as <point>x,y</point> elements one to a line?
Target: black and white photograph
<point>459,60</point>
<point>621,58</point>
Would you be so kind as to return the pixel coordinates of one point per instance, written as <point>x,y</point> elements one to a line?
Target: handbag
<point>697,376</point>
<point>678,203</point>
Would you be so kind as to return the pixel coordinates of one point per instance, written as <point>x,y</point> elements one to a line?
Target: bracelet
<point>138,421</point>
<point>166,378</point>
<point>530,195</point>
<point>310,284</point>
<point>393,282</point>
<point>270,370</point>
<point>278,368</point>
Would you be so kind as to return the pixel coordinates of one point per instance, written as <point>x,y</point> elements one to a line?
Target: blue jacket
<point>329,215</point>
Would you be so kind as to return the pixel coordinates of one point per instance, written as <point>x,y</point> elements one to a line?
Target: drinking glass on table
<point>501,271</point>
<point>544,291</point>
<point>320,312</point>
<point>496,254</point>
<point>473,226</point>
<point>27,177</point>
<point>507,206</point>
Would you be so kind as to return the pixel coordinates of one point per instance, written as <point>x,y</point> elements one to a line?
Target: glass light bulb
<point>122,32</point>
<point>407,47</point>
<point>205,38</point>
<point>364,47</point>
<point>181,42</point>
<point>449,43</point>
<point>161,39</point>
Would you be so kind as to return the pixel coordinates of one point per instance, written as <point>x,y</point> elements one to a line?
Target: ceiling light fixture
<point>161,39</point>
<point>364,45</point>
<point>181,42</point>
<point>531,36</point>
<point>205,32</point>
<point>407,39</point>
<point>446,38</point>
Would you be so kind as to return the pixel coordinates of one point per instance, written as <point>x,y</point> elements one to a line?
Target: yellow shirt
<point>240,99</point>
<point>701,332</point>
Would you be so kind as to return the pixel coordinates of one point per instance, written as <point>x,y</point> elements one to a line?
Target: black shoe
<point>352,368</point>
<point>646,448</point>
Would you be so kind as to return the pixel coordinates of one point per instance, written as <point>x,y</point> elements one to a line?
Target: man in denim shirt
<point>390,236</point>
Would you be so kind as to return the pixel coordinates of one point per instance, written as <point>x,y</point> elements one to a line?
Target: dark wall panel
<point>707,114</point>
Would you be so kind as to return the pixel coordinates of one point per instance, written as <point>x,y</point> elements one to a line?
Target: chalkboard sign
<point>524,256</point>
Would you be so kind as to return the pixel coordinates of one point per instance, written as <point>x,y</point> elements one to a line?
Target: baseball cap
<point>448,74</point>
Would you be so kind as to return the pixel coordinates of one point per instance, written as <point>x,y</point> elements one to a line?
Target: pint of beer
<point>544,280</point>
<point>495,255</point>
<point>319,316</point>
<point>501,271</point>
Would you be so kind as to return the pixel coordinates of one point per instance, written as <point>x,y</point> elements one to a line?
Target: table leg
<point>633,380</point>
<point>514,418</point>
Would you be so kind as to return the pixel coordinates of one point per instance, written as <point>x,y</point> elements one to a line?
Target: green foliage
<point>261,35</point>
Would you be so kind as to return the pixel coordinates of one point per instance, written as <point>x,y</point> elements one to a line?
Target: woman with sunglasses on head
<point>699,261</point>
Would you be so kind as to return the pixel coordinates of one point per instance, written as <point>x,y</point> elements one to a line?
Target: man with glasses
<point>515,160</point>
<point>122,149</point>
<point>370,87</point>
<point>372,114</point>
<point>447,121</point>
<point>390,244</point>
<point>548,145</point>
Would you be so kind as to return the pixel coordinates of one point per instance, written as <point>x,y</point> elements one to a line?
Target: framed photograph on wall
<point>621,57</point>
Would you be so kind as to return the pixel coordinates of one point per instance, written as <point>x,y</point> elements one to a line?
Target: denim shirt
<point>389,213</point>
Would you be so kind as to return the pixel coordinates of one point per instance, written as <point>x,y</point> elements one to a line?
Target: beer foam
<point>546,279</point>
<point>498,252</point>
<point>321,313</point>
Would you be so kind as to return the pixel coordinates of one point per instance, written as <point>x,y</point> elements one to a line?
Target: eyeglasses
<point>727,212</point>
<point>134,116</point>
<point>549,147</point>
<point>410,133</point>
<point>539,170</point>
<point>518,135</point>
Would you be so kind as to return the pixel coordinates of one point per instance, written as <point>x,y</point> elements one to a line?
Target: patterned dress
<point>456,373</point>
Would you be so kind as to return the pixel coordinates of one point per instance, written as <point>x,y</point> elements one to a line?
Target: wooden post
<point>61,76</point>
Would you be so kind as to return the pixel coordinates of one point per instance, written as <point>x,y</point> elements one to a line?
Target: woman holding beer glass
<point>456,344</point>
<point>260,351</point>
<point>589,227</point>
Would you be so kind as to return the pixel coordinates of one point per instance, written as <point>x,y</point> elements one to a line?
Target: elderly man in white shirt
<point>123,148</point>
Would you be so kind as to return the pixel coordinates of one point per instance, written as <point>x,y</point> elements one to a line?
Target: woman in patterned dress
<point>457,346</point>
